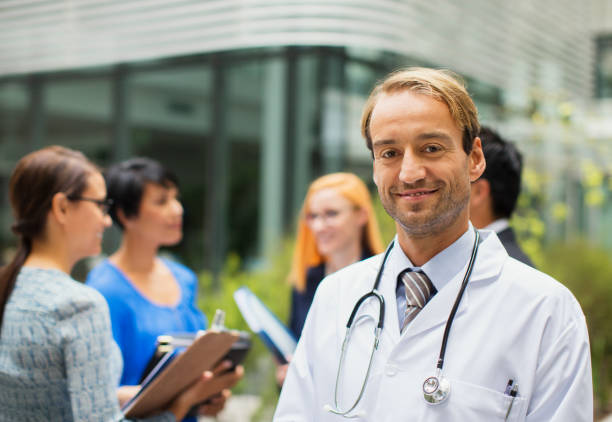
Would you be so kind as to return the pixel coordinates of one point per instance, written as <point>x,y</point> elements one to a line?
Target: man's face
<point>422,173</point>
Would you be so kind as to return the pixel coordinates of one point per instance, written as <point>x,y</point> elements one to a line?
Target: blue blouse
<point>58,361</point>
<point>137,322</point>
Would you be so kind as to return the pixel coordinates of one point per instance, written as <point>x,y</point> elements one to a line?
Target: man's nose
<point>413,168</point>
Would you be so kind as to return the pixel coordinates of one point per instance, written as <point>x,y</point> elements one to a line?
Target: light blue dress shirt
<point>58,361</point>
<point>439,269</point>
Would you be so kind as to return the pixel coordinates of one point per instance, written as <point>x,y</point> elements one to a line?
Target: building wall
<point>248,101</point>
<point>506,44</point>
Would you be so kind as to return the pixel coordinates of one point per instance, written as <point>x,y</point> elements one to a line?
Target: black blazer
<point>508,239</point>
<point>301,301</point>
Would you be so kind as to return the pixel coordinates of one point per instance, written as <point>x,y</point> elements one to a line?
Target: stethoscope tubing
<point>451,316</point>
<point>374,293</point>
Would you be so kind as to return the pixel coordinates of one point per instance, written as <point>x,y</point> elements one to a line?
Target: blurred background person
<point>58,360</point>
<point>336,228</point>
<point>147,295</point>
<point>494,196</point>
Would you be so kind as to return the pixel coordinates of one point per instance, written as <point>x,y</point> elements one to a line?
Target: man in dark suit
<point>494,195</point>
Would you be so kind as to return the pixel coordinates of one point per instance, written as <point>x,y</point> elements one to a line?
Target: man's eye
<point>388,154</point>
<point>432,148</point>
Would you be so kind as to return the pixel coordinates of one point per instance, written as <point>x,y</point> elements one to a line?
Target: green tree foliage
<point>270,285</point>
<point>587,271</point>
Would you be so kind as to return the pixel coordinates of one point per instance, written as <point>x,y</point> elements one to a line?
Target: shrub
<point>587,271</point>
<point>270,285</point>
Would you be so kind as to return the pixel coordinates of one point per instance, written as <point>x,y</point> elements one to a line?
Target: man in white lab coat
<point>518,346</point>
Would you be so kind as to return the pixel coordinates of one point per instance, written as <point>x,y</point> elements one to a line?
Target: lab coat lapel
<point>397,261</point>
<point>371,306</point>
<point>391,333</point>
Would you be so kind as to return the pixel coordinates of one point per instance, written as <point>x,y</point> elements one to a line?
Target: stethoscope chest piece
<point>436,389</point>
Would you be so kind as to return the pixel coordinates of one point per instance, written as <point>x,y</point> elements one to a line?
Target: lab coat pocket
<point>471,402</point>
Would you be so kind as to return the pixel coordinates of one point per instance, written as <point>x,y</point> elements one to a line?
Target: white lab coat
<point>513,322</point>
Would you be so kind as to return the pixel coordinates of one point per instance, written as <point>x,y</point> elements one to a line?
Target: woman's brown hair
<point>306,254</point>
<point>36,179</point>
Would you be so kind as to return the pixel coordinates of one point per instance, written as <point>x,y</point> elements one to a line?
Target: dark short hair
<point>126,181</point>
<point>503,171</point>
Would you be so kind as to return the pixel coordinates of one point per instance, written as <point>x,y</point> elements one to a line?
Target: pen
<point>508,387</point>
<point>513,394</point>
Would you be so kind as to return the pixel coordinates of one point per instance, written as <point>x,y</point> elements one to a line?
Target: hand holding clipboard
<point>179,382</point>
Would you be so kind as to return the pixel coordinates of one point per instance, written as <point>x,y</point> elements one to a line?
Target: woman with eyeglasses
<point>58,360</point>
<point>148,295</point>
<point>336,228</point>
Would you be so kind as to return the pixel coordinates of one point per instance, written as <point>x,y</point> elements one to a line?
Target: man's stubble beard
<point>444,214</point>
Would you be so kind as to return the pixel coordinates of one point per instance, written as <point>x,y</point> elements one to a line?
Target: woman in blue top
<point>147,295</point>
<point>58,361</point>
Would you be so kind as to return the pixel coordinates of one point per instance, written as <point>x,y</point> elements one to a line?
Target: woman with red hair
<point>336,228</point>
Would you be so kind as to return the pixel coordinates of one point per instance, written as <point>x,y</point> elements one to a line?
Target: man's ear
<point>59,207</point>
<point>477,160</point>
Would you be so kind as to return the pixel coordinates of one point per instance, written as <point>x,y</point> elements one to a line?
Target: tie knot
<point>418,287</point>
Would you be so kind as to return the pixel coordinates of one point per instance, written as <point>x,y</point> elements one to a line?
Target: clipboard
<point>275,335</point>
<point>179,370</point>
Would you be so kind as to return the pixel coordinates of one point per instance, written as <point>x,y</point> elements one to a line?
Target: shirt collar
<point>498,225</point>
<point>442,267</point>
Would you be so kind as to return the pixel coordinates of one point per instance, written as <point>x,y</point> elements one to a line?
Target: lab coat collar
<point>498,225</point>
<point>446,270</point>
<point>442,267</point>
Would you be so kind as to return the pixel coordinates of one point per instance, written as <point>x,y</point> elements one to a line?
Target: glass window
<point>14,137</point>
<point>169,120</point>
<point>604,67</point>
<point>78,115</point>
<point>246,84</point>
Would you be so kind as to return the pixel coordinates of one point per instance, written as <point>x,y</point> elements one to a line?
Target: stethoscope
<point>436,388</point>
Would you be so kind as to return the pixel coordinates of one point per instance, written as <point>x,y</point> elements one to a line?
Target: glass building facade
<point>247,102</point>
<point>245,132</point>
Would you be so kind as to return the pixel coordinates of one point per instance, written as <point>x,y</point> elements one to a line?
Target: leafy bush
<point>270,285</point>
<point>587,271</point>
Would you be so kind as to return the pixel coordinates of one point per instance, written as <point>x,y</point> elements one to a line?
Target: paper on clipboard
<point>180,372</point>
<point>264,323</point>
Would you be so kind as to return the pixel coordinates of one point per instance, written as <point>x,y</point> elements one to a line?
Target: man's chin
<point>415,230</point>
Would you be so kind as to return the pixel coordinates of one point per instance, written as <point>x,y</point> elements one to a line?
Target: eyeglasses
<point>327,216</point>
<point>104,204</point>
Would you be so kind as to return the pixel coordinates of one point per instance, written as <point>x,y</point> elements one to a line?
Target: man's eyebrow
<point>435,135</point>
<point>383,142</point>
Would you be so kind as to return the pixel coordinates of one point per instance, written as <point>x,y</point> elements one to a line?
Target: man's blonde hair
<point>443,85</point>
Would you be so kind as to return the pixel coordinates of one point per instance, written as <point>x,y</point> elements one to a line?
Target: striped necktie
<point>418,290</point>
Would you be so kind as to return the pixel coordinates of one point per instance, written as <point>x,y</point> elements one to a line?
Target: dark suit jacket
<point>301,301</point>
<point>508,239</point>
